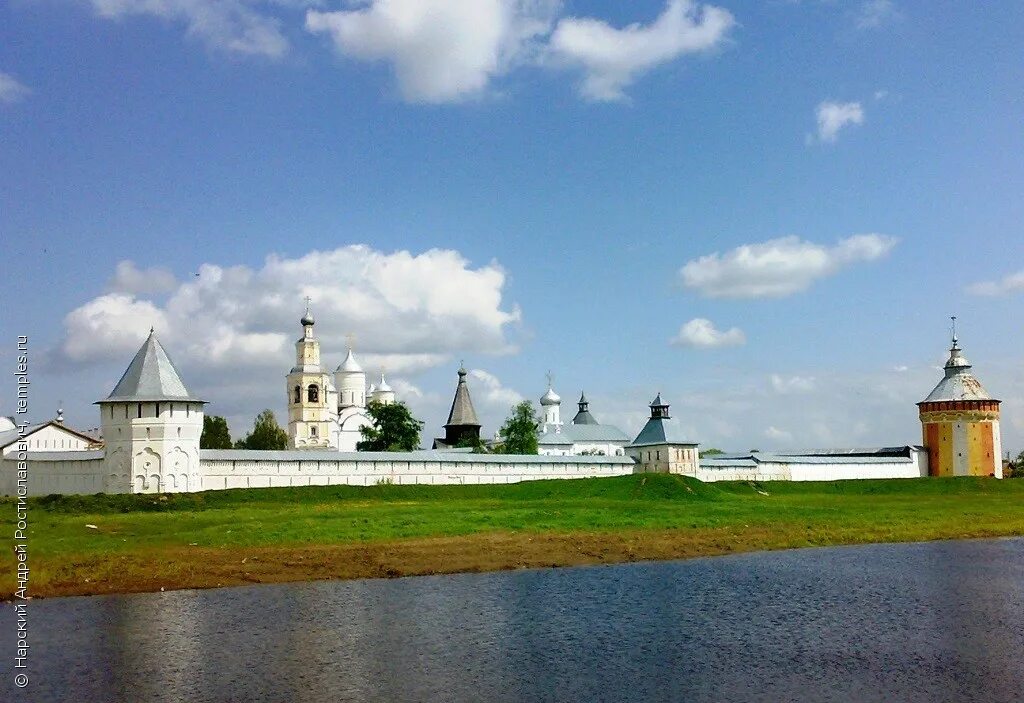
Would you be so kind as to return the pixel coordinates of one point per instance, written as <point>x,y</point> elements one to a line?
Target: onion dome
<point>383,386</point>
<point>550,398</point>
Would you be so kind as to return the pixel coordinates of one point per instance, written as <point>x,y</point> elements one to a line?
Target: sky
<point>766,211</point>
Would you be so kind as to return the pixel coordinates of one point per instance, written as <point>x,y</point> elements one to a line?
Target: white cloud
<point>792,384</point>
<point>778,267</point>
<point>613,58</point>
<point>833,117</point>
<point>1011,283</point>
<point>11,89</point>
<point>234,26</point>
<point>410,312</point>
<point>700,333</point>
<point>440,50</point>
<point>875,13</point>
<point>128,278</point>
<point>491,391</point>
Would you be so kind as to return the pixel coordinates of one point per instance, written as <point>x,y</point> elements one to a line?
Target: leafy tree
<point>215,433</point>
<point>266,434</point>
<point>519,433</point>
<point>710,451</point>
<point>394,429</point>
<point>1017,467</point>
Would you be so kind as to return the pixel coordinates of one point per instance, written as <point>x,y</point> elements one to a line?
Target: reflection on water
<point>919,622</point>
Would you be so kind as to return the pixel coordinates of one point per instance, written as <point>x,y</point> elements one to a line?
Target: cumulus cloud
<point>1011,283</point>
<point>128,278</point>
<point>11,89</point>
<point>490,390</point>
<point>613,58</point>
<point>778,267</point>
<point>440,50</point>
<point>792,384</point>
<point>700,333</point>
<point>234,26</point>
<point>875,13</point>
<point>411,311</point>
<point>833,117</point>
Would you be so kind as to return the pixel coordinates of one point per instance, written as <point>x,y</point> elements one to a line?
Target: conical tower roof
<point>958,383</point>
<point>151,376</point>
<point>583,417</point>
<point>462,412</point>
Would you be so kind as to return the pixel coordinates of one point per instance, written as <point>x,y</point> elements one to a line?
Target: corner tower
<point>151,427</point>
<point>960,423</point>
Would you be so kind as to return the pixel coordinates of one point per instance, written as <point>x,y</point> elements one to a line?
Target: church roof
<point>571,434</point>
<point>151,376</point>
<point>583,417</point>
<point>958,383</point>
<point>350,365</point>
<point>9,437</point>
<point>462,412</point>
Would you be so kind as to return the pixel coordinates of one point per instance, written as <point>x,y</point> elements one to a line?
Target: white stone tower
<point>350,380</point>
<point>551,404</point>
<point>312,399</point>
<point>151,427</point>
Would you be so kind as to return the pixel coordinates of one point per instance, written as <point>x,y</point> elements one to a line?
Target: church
<point>328,411</point>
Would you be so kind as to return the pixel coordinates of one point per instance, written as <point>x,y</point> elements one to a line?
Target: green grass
<point>807,513</point>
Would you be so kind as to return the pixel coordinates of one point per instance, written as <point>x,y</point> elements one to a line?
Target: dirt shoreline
<point>203,567</point>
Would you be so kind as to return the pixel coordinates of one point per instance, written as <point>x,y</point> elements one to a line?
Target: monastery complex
<point>150,427</point>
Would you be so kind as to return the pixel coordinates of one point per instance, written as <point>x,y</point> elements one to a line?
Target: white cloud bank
<point>1012,283</point>
<point>701,333</point>
<point>613,58</point>
<point>778,267</point>
<point>791,384</point>
<point>233,26</point>
<point>451,50</point>
<point>410,312</point>
<point>11,89</point>
<point>832,117</point>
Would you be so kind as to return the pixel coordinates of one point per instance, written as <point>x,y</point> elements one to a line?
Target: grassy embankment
<point>220,538</point>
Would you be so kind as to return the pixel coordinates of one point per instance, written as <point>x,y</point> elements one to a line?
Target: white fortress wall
<point>231,468</point>
<point>55,472</point>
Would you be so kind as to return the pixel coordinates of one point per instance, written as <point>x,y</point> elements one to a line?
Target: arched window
<point>298,394</point>
<point>314,393</point>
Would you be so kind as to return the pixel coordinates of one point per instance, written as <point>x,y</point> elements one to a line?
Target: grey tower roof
<point>462,412</point>
<point>151,376</point>
<point>583,417</point>
<point>660,428</point>
<point>958,383</point>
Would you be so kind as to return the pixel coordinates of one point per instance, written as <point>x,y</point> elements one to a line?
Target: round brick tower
<point>960,423</point>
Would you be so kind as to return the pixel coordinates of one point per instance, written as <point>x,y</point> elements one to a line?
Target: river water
<point>941,621</point>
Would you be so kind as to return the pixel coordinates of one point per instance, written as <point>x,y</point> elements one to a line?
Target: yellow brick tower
<point>960,423</point>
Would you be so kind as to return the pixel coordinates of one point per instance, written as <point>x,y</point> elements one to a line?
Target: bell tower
<point>312,401</point>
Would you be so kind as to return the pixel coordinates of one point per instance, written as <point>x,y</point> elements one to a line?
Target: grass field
<point>146,543</point>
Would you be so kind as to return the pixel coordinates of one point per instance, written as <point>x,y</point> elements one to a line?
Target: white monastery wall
<point>50,439</point>
<point>240,469</point>
<point>55,472</point>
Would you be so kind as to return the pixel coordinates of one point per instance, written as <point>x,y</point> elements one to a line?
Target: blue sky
<point>566,168</point>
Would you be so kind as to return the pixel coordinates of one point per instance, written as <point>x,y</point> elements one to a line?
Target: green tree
<point>710,451</point>
<point>1017,467</point>
<point>519,433</point>
<point>266,434</point>
<point>215,433</point>
<point>394,429</point>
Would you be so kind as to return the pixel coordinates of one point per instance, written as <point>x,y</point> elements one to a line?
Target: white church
<point>325,411</point>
